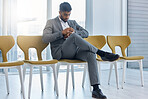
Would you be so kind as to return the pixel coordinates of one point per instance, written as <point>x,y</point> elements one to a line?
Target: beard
<point>63,19</point>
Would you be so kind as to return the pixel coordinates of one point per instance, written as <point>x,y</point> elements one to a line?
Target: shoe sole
<point>112,60</point>
<point>94,96</point>
<point>115,59</point>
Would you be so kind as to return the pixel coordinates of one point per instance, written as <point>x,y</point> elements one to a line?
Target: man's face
<point>64,15</point>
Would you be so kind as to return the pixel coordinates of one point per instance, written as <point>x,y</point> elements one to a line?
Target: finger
<point>67,31</point>
<point>70,32</point>
<point>72,29</point>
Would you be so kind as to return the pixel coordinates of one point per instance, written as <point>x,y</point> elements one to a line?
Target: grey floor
<point>132,88</point>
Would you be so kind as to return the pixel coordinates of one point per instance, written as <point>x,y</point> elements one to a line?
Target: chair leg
<point>21,81</point>
<point>55,79</point>
<point>141,72</point>
<point>30,81</point>
<point>67,79</point>
<point>84,75</point>
<point>24,72</point>
<point>111,67</point>
<point>6,76</point>
<point>57,71</point>
<point>41,78</point>
<point>116,72</point>
<point>123,75</point>
<point>72,74</point>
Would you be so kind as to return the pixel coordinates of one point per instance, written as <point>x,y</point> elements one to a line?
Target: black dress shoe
<point>110,57</point>
<point>98,94</point>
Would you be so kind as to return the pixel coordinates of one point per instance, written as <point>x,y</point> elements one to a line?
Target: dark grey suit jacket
<point>53,33</point>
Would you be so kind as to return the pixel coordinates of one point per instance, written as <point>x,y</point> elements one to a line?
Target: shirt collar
<point>61,20</point>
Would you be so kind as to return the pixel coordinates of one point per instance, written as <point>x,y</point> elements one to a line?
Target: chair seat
<point>8,64</point>
<point>72,61</point>
<point>133,58</point>
<point>99,59</point>
<point>41,62</point>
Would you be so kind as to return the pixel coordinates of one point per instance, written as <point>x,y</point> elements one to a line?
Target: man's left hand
<point>71,30</point>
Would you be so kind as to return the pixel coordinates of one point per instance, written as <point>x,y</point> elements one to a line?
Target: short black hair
<point>65,6</point>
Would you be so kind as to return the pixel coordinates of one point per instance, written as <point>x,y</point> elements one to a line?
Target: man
<point>66,39</point>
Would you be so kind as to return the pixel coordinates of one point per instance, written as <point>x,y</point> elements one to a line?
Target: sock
<point>95,87</point>
<point>100,53</point>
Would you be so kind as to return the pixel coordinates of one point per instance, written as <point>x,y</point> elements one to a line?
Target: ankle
<point>95,87</point>
<point>100,53</point>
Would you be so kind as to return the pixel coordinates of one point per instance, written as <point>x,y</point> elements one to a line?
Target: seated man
<point>66,39</point>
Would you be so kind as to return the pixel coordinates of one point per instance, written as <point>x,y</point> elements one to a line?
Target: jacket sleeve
<point>48,35</point>
<point>81,31</point>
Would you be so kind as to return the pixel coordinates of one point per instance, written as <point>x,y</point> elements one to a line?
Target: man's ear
<point>60,12</point>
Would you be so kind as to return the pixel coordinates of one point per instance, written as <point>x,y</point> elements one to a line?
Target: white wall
<point>109,19</point>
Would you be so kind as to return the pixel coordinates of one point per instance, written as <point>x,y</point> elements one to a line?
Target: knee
<point>74,35</point>
<point>91,55</point>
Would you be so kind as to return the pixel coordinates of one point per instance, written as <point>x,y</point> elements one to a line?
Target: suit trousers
<point>75,47</point>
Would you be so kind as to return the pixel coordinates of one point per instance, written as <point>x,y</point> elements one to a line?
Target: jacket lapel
<point>58,23</point>
<point>69,23</point>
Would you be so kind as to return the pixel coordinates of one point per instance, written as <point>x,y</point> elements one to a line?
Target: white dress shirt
<point>64,24</point>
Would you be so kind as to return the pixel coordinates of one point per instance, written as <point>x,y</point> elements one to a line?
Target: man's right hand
<point>67,32</point>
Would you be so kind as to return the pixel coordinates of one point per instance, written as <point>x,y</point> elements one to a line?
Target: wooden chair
<point>123,42</point>
<point>6,43</point>
<point>26,42</point>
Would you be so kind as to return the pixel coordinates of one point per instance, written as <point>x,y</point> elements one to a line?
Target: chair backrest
<point>26,42</point>
<point>122,41</point>
<point>6,43</point>
<point>97,41</point>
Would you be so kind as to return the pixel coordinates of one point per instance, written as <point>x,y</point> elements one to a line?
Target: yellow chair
<point>71,63</point>
<point>6,43</point>
<point>99,42</point>
<point>123,42</point>
<point>26,42</point>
